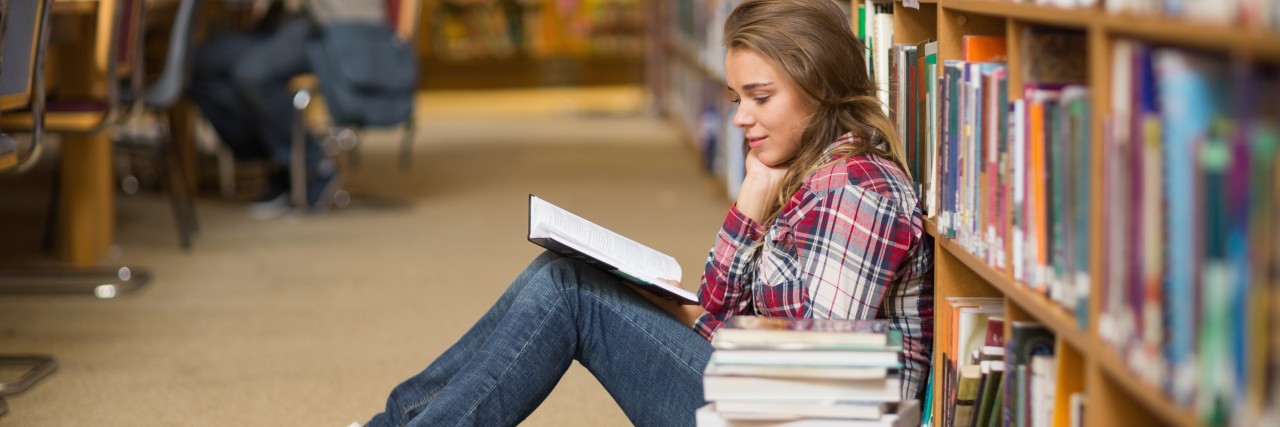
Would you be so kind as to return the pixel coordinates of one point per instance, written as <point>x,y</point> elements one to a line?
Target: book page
<point>628,256</point>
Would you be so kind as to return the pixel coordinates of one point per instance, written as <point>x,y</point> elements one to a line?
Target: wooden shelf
<point>1117,394</point>
<point>1063,17</point>
<point>1149,395</point>
<point>1064,326</point>
<point>1046,311</point>
<point>1258,44</point>
<point>1157,29</point>
<point>691,60</point>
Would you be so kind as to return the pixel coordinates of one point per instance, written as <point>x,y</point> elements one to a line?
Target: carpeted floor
<point>310,321</point>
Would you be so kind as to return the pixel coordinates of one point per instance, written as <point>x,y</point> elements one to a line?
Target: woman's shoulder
<point>869,173</point>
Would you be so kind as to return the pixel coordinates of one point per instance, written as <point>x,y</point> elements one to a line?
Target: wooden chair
<point>25,30</point>
<point>117,56</point>
<point>403,16</point>
<point>22,87</point>
<point>25,44</point>
<point>155,99</point>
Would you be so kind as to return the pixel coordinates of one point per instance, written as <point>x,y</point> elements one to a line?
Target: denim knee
<point>248,76</point>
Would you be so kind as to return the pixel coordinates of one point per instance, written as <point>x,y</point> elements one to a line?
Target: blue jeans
<point>558,310</point>
<point>241,84</point>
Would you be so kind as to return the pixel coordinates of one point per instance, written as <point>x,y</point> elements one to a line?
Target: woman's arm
<point>730,272</point>
<point>759,189</point>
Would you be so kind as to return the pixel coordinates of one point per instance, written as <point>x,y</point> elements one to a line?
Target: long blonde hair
<point>811,42</point>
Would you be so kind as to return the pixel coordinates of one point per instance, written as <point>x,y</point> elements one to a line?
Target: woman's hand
<point>759,189</point>
<point>686,314</point>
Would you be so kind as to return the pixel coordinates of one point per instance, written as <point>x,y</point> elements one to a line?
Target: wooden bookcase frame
<point>1114,395</point>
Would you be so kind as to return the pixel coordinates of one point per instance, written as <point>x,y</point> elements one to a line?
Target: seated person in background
<point>241,84</point>
<point>826,225</point>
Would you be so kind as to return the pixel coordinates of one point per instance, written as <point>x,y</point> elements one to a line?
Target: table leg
<point>86,216</point>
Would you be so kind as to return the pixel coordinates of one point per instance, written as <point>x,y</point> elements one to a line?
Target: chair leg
<point>38,366</point>
<point>406,144</point>
<point>51,216</point>
<point>298,155</point>
<point>4,406</point>
<point>344,139</point>
<point>353,157</point>
<point>180,199</point>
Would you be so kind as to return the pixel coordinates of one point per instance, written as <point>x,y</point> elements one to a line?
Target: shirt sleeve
<point>863,257</point>
<point>849,245</point>
<point>842,251</point>
<point>726,281</point>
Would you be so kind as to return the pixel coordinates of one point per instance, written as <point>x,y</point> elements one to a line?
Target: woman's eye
<point>762,99</point>
<point>735,100</point>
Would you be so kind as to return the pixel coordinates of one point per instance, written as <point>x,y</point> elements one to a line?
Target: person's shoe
<point>323,185</point>
<point>270,208</point>
<point>274,200</point>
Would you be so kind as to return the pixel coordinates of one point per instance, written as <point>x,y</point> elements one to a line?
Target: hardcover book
<point>562,232</point>
<point>786,410</point>
<point>787,389</point>
<point>779,333</point>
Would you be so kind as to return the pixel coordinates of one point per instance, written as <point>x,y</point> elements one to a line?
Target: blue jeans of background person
<point>241,84</point>
<point>558,310</point>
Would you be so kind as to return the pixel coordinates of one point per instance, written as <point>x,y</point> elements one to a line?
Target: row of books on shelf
<point>498,29</point>
<point>1253,14</point>
<point>805,373</point>
<point>698,105</point>
<point>697,27</point>
<point>1008,181</point>
<point>1191,201</point>
<point>696,71</point>
<point>990,379</point>
<point>1186,178</point>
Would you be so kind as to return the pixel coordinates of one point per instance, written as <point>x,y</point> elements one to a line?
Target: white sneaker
<point>270,209</point>
<point>355,425</point>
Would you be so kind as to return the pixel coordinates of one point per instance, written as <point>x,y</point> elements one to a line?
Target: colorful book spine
<point>1190,91</point>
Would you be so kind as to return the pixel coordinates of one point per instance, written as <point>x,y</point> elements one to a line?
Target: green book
<point>994,415</point>
<point>966,395</point>
<point>926,417</point>
<point>993,370</point>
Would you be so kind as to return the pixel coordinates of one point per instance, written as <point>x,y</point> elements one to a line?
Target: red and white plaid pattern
<point>850,244</point>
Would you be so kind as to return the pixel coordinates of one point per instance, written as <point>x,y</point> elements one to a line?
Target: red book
<point>984,48</point>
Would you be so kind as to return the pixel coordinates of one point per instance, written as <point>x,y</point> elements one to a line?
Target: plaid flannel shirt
<point>850,244</point>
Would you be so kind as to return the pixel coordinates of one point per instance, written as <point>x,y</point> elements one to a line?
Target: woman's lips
<point>754,142</point>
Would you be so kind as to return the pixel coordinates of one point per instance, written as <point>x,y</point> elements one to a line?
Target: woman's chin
<point>773,162</point>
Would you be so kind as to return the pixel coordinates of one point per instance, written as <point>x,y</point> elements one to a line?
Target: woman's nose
<point>742,118</point>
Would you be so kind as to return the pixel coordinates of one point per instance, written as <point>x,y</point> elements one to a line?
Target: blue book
<point>1189,89</point>
<point>1214,161</point>
<point>1080,115</point>
<point>951,144</point>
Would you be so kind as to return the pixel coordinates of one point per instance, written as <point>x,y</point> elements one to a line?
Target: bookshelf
<point>1114,393</point>
<point>687,83</point>
<point>469,44</point>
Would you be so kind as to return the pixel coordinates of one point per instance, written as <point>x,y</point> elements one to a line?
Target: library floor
<point>310,321</point>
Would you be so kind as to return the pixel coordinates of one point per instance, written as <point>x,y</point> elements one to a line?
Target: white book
<point>715,388</point>
<point>570,235</point>
<point>789,410</point>
<point>813,358</point>
<point>708,416</point>
<point>772,333</point>
<point>772,371</point>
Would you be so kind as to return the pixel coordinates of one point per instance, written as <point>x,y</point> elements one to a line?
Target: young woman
<point>826,225</point>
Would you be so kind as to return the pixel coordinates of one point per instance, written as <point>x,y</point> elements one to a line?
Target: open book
<point>567,234</point>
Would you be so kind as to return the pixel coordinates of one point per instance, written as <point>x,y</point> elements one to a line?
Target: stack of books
<point>805,373</point>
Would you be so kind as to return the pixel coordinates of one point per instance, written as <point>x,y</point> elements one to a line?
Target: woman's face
<point>771,110</point>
